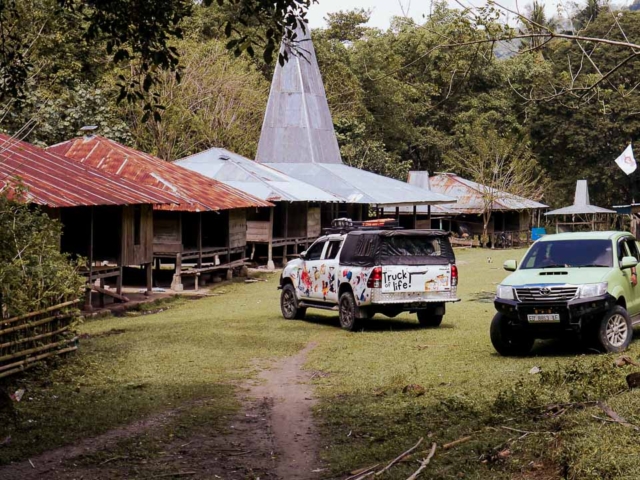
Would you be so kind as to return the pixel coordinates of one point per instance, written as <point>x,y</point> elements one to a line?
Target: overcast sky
<point>383,10</point>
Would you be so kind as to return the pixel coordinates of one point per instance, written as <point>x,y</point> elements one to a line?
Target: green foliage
<point>219,102</point>
<point>579,135</point>
<point>33,273</point>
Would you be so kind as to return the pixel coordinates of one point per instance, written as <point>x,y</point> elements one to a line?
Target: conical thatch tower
<point>297,124</point>
<point>298,138</point>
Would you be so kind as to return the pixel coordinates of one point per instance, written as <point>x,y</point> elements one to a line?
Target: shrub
<point>33,273</point>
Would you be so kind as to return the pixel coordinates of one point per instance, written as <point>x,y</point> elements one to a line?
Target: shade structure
<point>581,203</point>
<point>253,178</point>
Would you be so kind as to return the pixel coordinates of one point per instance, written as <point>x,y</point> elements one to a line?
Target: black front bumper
<point>574,314</point>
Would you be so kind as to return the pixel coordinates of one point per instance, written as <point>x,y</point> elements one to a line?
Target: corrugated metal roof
<point>254,178</point>
<point>57,181</point>
<point>581,204</point>
<point>297,125</point>
<point>359,186</point>
<point>196,192</point>
<point>469,195</point>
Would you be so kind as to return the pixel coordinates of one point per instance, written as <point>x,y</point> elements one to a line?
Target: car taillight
<point>375,279</point>
<point>454,275</point>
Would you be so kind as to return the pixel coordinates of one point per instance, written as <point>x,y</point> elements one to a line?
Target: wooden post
<point>149,271</point>
<point>398,214</point>
<point>199,241</point>
<point>270,264</point>
<point>429,214</point>
<point>101,294</point>
<point>87,300</point>
<point>415,217</point>
<point>285,248</point>
<point>176,285</point>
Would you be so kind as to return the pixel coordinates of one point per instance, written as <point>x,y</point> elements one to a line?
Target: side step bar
<point>321,306</point>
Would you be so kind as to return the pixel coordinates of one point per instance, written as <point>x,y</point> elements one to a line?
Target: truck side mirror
<point>303,255</point>
<point>628,262</point>
<point>510,265</point>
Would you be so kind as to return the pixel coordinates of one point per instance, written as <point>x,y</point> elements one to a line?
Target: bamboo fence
<point>26,339</point>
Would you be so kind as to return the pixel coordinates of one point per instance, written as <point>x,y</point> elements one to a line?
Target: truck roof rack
<point>345,225</point>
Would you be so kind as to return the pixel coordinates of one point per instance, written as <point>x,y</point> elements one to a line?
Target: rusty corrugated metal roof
<point>196,192</point>
<point>469,196</point>
<point>56,181</point>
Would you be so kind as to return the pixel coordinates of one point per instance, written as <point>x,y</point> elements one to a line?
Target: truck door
<point>310,277</point>
<point>633,301</point>
<point>329,271</point>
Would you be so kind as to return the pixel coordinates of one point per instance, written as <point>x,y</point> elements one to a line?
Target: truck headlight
<point>505,292</point>
<point>592,290</point>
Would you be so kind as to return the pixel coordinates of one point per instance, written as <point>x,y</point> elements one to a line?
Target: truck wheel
<point>615,331</point>
<point>427,318</point>
<point>289,304</point>
<point>508,341</point>
<point>348,311</point>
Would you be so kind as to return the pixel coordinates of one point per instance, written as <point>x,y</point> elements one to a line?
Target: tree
<point>140,35</point>
<point>502,164</point>
<point>219,102</point>
<point>536,24</point>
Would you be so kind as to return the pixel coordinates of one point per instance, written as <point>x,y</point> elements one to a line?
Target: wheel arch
<point>344,287</point>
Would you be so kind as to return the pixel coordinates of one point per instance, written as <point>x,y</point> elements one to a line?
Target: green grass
<point>132,367</point>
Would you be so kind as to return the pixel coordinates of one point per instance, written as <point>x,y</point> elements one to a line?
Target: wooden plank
<point>238,229</point>
<point>111,293</point>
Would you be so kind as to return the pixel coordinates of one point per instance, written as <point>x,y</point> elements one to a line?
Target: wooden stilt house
<point>106,219</point>
<point>207,229</point>
<point>294,221</point>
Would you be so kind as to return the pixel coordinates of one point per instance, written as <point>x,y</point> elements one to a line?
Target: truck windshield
<point>569,253</point>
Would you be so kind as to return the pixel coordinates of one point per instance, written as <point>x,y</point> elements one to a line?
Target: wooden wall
<point>167,232</point>
<point>258,231</point>
<point>313,222</point>
<point>237,228</point>
<point>142,252</point>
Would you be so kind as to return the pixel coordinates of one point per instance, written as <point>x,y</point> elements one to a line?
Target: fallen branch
<point>449,445</point>
<point>615,417</point>
<point>361,471</point>
<point>524,431</point>
<point>424,463</point>
<point>400,457</point>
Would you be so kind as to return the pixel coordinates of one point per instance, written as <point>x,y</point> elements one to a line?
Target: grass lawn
<point>134,366</point>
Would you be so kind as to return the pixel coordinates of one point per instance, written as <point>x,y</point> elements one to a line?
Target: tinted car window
<point>315,251</point>
<point>569,253</point>
<point>332,249</point>
<point>412,246</point>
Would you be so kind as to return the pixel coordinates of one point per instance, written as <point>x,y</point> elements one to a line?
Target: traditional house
<point>106,219</point>
<point>207,228</point>
<point>298,139</point>
<point>293,222</point>
<point>582,215</point>
<point>511,218</point>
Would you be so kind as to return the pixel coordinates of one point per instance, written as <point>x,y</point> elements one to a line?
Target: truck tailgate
<point>424,278</point>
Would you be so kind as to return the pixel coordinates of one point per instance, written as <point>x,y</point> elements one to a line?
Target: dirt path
<point>272,437</point>
<point>286,387</point>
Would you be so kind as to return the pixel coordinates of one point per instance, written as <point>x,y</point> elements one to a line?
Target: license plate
<point>544,318</point>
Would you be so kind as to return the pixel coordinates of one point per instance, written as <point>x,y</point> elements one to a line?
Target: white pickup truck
<point>366,271</point>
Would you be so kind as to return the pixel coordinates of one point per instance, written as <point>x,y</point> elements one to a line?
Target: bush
<point>33,273</point>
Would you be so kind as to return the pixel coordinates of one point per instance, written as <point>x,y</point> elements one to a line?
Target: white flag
<point>626,161</point>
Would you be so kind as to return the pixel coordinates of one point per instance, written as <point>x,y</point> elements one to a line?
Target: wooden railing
<point>27,339</point>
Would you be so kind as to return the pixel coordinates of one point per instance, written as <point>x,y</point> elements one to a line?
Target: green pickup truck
<point>580,285</point>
